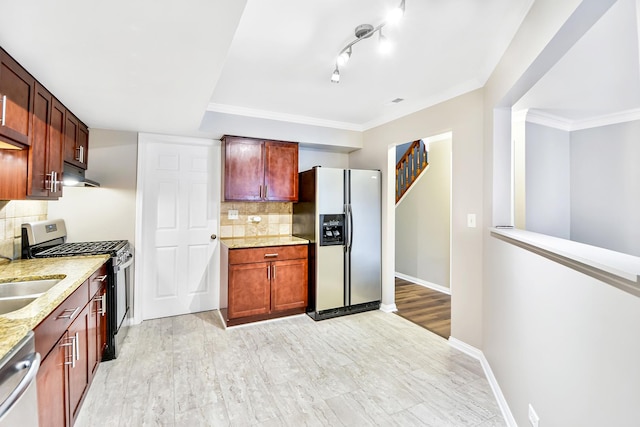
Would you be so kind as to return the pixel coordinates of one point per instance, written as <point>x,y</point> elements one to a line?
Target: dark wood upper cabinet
<point>45,153</point>
<point>16,101</point>
<point>243,169</point>
<point>76,141</point>
<point>37,135</point>
<point>259,170</point>
<point>281,171</point>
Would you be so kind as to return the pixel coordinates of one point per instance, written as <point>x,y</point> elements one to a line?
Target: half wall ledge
<point>615,268</point>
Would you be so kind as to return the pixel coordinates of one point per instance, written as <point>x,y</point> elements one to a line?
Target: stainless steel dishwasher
<point>18,393</point>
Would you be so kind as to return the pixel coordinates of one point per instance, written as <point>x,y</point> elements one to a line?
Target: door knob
<point>214,237</point>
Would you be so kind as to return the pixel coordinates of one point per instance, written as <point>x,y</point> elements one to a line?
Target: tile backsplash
<point>274,219</point>
<point>12,214</point>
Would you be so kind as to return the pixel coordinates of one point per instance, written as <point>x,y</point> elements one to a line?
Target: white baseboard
<point>493,382</point>
<point>424,283</point>
<point>388,308</point>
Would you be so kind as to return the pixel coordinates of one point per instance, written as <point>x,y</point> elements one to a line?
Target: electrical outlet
<point>534,419</point>
<point>233,214</point>
<point>471,220</point>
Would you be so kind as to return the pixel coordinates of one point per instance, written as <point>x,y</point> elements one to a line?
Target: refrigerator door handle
<point>350,222</point>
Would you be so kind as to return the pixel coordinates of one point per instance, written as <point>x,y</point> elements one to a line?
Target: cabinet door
<point>16,101</point>
<point>56,146</point>
<point>97,334</point>
<point>243,169</point>
<point>102,323</point>
<point>71,153</point>
<point>249,289</point>
<point>83,145</point>
<point>51,381</point>
<point>79,372</point>
<point>39,177</point>
<point>289,285</point>
<point>281,171</point>
<point>93,334</point>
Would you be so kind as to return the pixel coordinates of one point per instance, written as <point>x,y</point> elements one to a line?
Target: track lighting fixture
<point>364,31</point>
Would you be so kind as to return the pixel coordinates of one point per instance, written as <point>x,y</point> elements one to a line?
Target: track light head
<point>335,77</point>
<point>344,56</point>
<point>384,45</point>
<point>395,14</point>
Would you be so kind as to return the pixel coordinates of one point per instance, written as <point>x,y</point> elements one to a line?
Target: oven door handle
<point>126,263</point>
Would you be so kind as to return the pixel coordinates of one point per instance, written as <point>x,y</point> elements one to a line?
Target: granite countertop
<point>72,271</point>
<point>262,241</point>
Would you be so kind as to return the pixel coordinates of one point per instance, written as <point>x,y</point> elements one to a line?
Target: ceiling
<point>599,76</point>
<point>170,67</point>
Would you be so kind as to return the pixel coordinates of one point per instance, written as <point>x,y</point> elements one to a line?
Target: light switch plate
<point>471,220</point>
<point>233,214</point>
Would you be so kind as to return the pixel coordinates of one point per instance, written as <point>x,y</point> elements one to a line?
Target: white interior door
<point>178,185</point>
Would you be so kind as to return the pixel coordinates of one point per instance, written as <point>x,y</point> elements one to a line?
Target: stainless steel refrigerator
<point>338,211</point>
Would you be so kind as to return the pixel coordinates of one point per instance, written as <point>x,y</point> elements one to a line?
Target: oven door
<point>119,303</point>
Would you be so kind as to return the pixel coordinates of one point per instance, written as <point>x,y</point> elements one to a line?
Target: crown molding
<point>283,117</point>
<point>607,119</point>
<point>546,119</point>
<point>557,122</point>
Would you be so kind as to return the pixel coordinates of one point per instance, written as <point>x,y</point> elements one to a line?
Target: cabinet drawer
<point>49,331</point>
<point>97,279</point>
<point>270,253</point>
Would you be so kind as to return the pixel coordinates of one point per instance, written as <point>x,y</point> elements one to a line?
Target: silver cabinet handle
<point>266,191</point>
<point>80,157</point>
<point>71,344</point>
<point>101,278</point>
<point>270,255</point>
<point>4,109</point>
<point>77,341</point>
<point>260,191</point>
<point>70,316</point>
<point>51,178</point>
<point>268,272</point>
<point>274,271</point>
<point>55,182</point>
<point>31,363</point>
<point>103,304</point>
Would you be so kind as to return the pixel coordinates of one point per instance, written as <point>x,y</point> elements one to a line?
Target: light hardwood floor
<point>424,306</point>
<point>370,368</point>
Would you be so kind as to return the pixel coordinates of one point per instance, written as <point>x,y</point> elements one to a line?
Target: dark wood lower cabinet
<point>264,283</point>
<point>67,368</point>
<point>52,380</point>
<point>79,369</point>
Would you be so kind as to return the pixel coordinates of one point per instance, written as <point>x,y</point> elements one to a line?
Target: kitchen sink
<point>26,287</point>
<point>7,305</point>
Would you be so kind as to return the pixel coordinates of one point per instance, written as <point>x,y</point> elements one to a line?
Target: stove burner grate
<point>84,248</point>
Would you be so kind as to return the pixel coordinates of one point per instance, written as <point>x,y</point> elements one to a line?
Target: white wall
<point>107,212</point>
<point>463,117</point>
<point>310,157</point>
<point>605,187</point>
<point>422,221</point>
<point>547,180</point>
<point>555,338</point>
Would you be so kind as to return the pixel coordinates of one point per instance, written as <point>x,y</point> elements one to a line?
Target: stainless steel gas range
<point>46,239</point>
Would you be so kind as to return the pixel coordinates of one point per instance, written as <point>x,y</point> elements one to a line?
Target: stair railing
<point>410,166</point>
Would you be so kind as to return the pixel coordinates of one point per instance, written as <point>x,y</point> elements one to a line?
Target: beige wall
<point>463,116</point>
<point>12,215</point>
<point>423,221</point>
<point>555,338</point>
